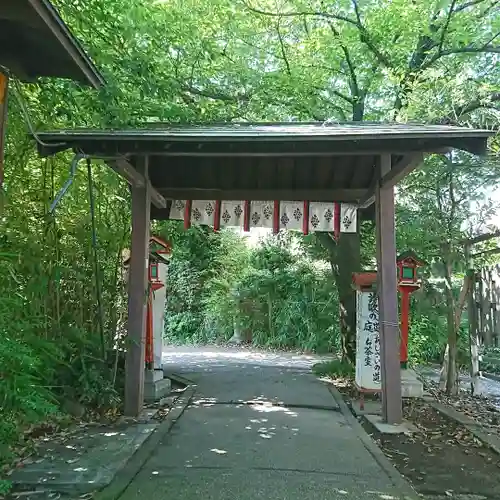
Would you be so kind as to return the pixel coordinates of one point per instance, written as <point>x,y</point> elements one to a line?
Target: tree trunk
<point>443,375</point>
<point>473,330</point>
<point>349,261</point>
<point>345,259</point>
<point>454,315</point>
<point>451,372</point>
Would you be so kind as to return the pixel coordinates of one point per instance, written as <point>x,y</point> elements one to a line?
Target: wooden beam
<point>392,410</point>
<point>123,167</point>
<point>263,154</point>
<point>21,13</point>
<point>156,198</point>
<point>4,91</point>
<point>138,276</point>
<point>341,195</point>
<point>330,153</point>
<point>401,169</point>
<point>369,196</point>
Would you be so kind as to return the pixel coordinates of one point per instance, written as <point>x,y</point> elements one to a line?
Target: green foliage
<point>203,270</point>
<point>5,486</point>
<point>270,290</point>
<point>427,339</point>
<point>192,61</point>
<point>428,329</point>
<point>50,349</point>
<point>334,368</point>
<point>286,301</point>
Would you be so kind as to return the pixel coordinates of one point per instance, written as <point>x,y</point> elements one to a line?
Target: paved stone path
<point>260,426</point>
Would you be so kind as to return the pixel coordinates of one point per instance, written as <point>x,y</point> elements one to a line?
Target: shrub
<point>334,368</point>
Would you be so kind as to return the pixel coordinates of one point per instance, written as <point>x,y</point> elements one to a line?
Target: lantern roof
<point>410,256</point>
<point>158,257</point>
<point>153,256</point>
<point>166,246</point>
<point>364,280</point>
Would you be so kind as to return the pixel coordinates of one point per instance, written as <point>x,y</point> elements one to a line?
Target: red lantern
<point>408,282</point>
<point>155,257</point>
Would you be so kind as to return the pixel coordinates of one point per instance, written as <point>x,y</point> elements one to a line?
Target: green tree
<point>449,194</point>
<point>194,61</point>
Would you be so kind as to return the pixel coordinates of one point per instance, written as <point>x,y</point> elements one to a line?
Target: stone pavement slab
<point>283,445</point>
<point>241,484</point>
<point>86,460</point>
<point>264,384</point>
<point>249,438</point>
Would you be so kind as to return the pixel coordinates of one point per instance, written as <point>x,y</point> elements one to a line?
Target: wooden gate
<point>487,299</point>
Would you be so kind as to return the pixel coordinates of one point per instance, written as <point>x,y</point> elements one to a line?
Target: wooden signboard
<point>368,376</point>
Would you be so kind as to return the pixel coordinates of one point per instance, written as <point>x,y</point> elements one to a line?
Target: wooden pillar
<point>137,295</point>
<point>4,87</point>
<point>392,411</point>
<point>480,302</point>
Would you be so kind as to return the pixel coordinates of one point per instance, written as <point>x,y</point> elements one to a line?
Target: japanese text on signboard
<point>368,341</point>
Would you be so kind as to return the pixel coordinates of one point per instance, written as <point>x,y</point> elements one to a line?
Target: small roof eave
<point>36,33</point>
<point>268,132</point>
<point>279,139</point>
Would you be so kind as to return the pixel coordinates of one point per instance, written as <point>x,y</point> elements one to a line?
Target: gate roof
<point>268,161</point>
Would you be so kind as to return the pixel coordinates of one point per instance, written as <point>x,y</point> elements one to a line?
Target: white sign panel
<point>321,216</point>
<point>291,215</point>
<point>262,214</point>
<point>232,213</point>
<point>159,299</point>
<point>202,212</point>
<point>348,218</point>
<point>367,341</point>
<point>177,209</point>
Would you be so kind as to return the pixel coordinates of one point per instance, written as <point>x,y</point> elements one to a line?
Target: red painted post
<point>149,331</point>
<point>305,220</point>
<point>276,217</point>
<point>336,220</point>
<point>187,214</point>
<point>405,314</point>
<point>246,216</point>
<point>217,215</point>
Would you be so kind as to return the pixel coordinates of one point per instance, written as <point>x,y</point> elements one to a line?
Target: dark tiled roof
<point>263,161</point>
<point>277,131</point>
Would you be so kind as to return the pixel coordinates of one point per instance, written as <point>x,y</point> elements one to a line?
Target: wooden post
<point>392,411</point>
<point>137,300</point>
<point>473,329</point>
<point>4,87</point>
<point>489,316</point>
